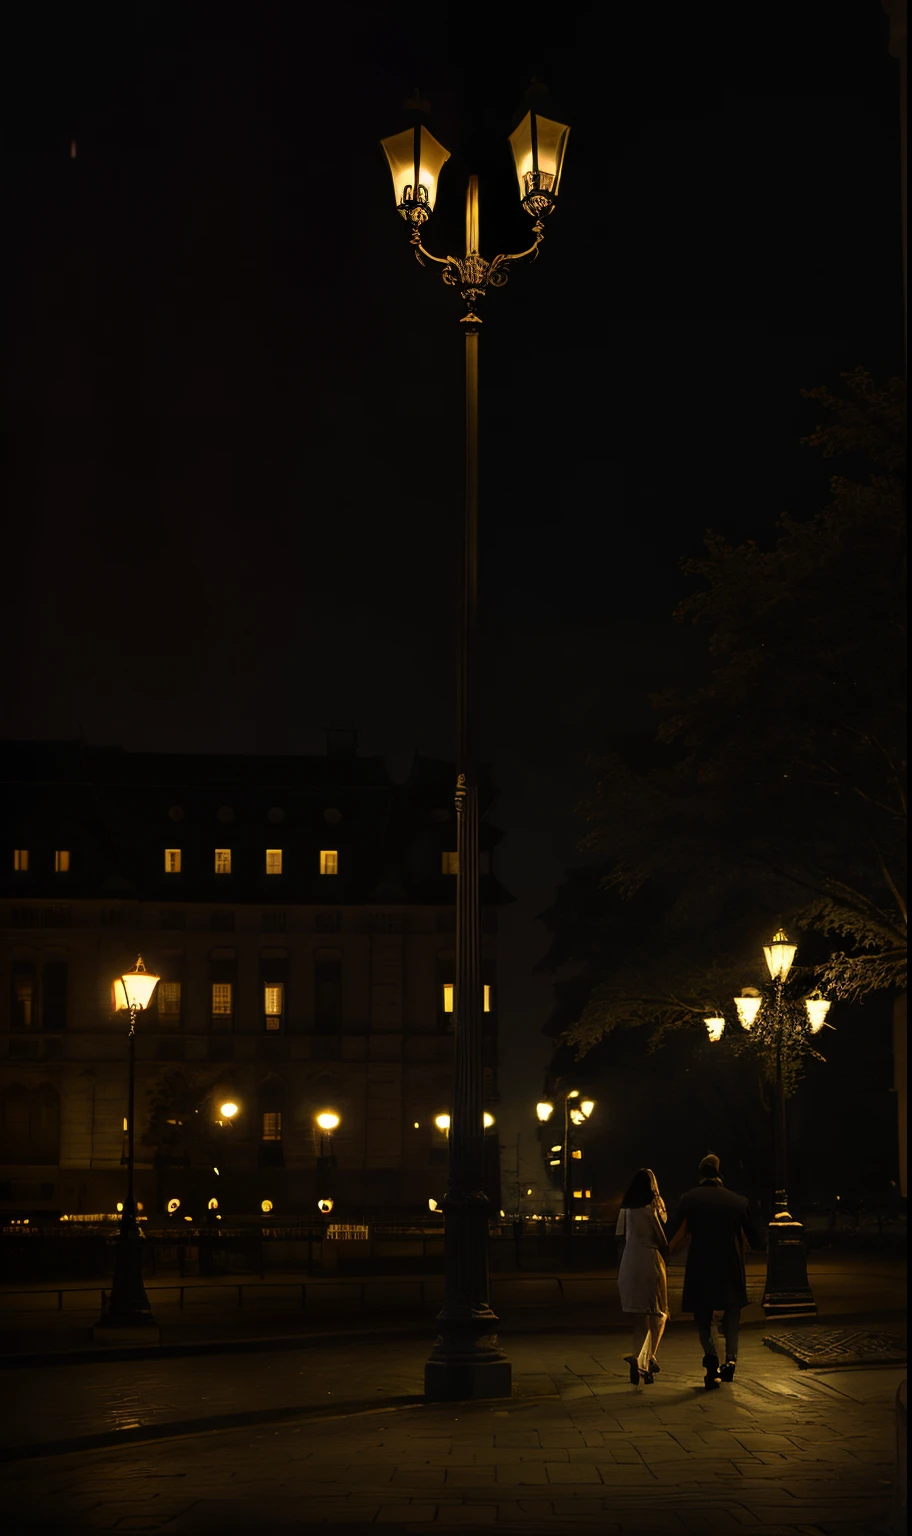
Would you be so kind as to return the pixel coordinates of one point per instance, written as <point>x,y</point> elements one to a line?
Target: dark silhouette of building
<point>300,912</point>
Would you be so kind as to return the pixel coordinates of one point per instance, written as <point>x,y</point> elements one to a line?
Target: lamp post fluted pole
<point>467,1360</point>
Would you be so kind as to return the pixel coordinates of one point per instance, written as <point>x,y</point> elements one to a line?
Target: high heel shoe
<point>647,1376</point>
<point>634,1369</point>
<point>654,1366</point>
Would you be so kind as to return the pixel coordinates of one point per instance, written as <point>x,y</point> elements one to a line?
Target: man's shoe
<point>727,1371</point>
<point>711,1367</point>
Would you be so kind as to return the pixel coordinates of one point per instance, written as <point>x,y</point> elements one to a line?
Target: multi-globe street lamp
<point>467,1360</point>
<point>776,1024</point>
<point>576,1112</point>
<point>128,1305</point>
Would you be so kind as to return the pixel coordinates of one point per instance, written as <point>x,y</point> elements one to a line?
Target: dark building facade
<point>301,914</point>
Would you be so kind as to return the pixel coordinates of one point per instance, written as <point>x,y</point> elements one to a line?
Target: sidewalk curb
<point>213,1424</point>
<point>421,1327</point>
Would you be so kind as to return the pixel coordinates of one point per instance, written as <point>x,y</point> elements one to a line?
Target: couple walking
<point>716,1220</point>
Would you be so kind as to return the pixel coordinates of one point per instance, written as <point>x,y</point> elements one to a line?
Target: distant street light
<point>788,1292</point>
<point>128,1305</point>
<point>577,1114</point>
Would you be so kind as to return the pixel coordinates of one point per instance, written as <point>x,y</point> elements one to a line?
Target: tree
<point>775,789</point>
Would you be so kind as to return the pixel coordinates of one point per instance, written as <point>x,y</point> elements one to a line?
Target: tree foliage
<point>775,789</point>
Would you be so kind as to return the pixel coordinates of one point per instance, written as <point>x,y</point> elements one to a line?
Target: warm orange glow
<point>221,999</point>
<point>539,156</point>
<point>779,955</point>
<point>714,1028</point>
<point>449,994</point>
<point>577,1154</point>
<point>274,1005</point>
<point>325,1205</point>
<point>817,1010</point>
<point>327,1120</point>
<point>401,150</point>
<point>223,861</point>
<point>265,1205</point>
<point>61,860</point>
<point>748,1006</point>
<point>228,1110</point>
<point>20,860</point>
<point>449,863</point>
<point>487,999</point>
<point>213,1205</point>
<point>488,1120</point>
<point>544,1110</point>
<point>173,1205</point>
<point>442,1122</point>
<point>273,861</point>
<point>172,861</point>
<point>329,861</point>
<point>138,985</point>
<point>272,1125</point>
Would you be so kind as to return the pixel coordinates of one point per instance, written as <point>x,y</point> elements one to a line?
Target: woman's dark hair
<point>640,1192</point>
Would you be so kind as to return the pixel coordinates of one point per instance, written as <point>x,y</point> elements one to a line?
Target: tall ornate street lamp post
<point>576,1112</point>
<point>128,1304</point>
<point>467,1360</point>
<point>771,1019</point>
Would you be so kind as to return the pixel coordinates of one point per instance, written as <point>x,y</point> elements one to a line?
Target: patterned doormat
<point>817,1345</point>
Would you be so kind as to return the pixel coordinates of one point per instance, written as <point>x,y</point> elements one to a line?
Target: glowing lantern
<point>213,1205</point>
<point>136,987</point>
<point>265,1206</point>
<point>539,144</point>
<point>228,1110</point>
<point>544,1111</point>
<point>587,1106</point>
<point>325,1205</point>
<point>433,1206</point>
<point>779,955</point>
<point>415,161</point>
<point>442,1122</point>
<point>714,1028</point>
<point>748,1006</point>
<point>488,1121</point>
<point>327,1121</point>
<point>173,1205</point>
<point>817,1009</point>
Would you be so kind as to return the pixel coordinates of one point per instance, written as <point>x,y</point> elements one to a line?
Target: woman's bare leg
<point>657,1323</point>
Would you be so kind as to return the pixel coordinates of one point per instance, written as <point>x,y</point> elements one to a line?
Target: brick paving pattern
<point>781,1452</point>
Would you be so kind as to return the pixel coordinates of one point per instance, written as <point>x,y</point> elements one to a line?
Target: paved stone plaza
<point>782,1452</point>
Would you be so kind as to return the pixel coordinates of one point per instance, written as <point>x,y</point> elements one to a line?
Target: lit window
<point>61,860</point>
<point>221,998</point>
<point>272,1125</point>
<point>487,999</point>
<point>223,861</point>
<point>577,1194</point>
<point>20,859</point>
<point>449,863</point>
<point>588,1194</point>
<point>169,998</point>
<point>273,861</point>
<point>449,993</point>
<point>274,1005</point>
<point>329,861</point>
<point>172,861</point>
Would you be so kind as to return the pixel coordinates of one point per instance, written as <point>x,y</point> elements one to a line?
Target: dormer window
<point>172,861</point>
<point>329,861</point>
<point>223,861</point>
<point>61,860</point>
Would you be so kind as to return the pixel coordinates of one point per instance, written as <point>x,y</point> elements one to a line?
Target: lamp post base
<point>787,1292</point>
<point>466,1363</point>
<point>128,1305</point>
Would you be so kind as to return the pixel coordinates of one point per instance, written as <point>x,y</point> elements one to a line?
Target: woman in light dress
<point>643,1249</point>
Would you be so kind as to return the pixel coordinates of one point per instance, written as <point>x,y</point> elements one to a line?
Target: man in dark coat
<point>716,1220</point>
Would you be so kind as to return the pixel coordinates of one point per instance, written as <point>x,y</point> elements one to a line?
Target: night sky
<point>233,401</point>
